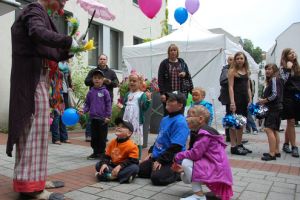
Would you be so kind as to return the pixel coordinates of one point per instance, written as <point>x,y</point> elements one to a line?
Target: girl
<point>206,162</point>
<point>240,98</point>
<point>136,104</point>
<point>272,98</point>
<point>290,73</point>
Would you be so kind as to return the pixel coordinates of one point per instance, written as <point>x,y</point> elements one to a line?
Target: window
<point>137,40</point>
<point>116,44</point>
<point>61,22</point>
<point>93,55</point>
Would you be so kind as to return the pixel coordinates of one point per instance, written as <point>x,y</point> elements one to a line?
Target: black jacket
<point>164,79</point>
<point>109,74</point>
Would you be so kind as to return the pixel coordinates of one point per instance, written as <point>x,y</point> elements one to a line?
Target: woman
<point>240,98</point>
<point>290,73</point>
<point>173,75</point>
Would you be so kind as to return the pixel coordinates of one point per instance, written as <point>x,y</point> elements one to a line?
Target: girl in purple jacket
<point>206,162</point>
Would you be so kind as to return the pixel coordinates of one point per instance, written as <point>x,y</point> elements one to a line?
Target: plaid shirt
<point>174,70</point>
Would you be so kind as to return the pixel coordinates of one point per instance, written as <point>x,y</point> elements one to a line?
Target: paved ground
<point>253,178</point>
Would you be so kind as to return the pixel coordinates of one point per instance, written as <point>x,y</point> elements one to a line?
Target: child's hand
<point>289,65</point>
<point>181,74</point>
<point>116,170</point>
<point>106,120</point>
<point>147,157</point>
<point>103,168</point>
<point>80,112</point>
<point>119,105</point>
<point>176,167</point>
<point>148,94</point>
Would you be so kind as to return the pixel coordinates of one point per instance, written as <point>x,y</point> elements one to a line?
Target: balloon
<point>181,15</point>
<point>150,7</point>
<point>50,121</point>
<point>189,100</point>
<point>70,117</point>
<point>192,5</point>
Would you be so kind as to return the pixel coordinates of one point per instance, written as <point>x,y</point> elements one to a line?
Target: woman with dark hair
<point>173,75</point>
<point>240,98</point>
<point>290,73</point>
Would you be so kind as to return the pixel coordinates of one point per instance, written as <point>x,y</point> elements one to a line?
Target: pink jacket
<point>211,166</point>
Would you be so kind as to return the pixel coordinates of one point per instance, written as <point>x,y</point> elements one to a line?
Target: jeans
<point>58,128</point>
<point>250,123</point>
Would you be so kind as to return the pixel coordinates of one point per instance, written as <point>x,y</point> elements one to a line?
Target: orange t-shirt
<point>119,152</point>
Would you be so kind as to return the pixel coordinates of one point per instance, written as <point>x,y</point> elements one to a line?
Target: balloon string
<point>187,39</point>
<point>151,61</point>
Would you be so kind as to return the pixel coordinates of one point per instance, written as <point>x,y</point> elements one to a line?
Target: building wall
<point>287,39</point>
<point>130,22</point>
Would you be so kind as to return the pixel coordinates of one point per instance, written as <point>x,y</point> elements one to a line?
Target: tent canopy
<point>204,52</point>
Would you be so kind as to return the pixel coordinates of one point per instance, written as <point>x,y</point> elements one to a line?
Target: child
<point>206,162</point>
<point>290,73</point>
<point>98,104</point>
<point>272,98</point>
<point>121,157</point>
<point>136,103</point>
<point>198,95</point>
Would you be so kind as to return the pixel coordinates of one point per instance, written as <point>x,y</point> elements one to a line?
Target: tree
<point>256,52</point>
<point>164,23</point>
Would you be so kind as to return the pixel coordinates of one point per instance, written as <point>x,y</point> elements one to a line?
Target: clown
<point>36,46</point>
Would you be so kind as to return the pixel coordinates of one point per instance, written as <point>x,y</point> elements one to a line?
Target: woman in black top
<point>272,98</point>
<point>290,74</point>
<point>240,98</point>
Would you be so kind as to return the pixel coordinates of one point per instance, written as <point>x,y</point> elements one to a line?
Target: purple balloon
<point>192,5</point>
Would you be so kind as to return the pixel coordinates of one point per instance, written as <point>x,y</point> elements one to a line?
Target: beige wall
<point>129,20</point>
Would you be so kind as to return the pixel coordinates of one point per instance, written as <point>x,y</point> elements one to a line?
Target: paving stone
<point>90,190</point>
<point>285,185</point>
<point>78,195</point>
<point>240,183</point>
<point>235,195</point>
<point>126,188</point>
<point>279,196</point>
<point>298,189</point>
<point>177,190</point>
<point>164,197</point>
<point>247,195</point>
<point>139,198</point>
<point>249,175</point>
<point>258,187</point>
<point>294,181</point>
<point>143,193</point>
<point>238,188</point>
<point>101,186</point>
<point>111,194</point>
<point>282,190</point>
<point>263,172</point>
<point>275,179</point>
<point>154,188</point>
<point>259,181</point>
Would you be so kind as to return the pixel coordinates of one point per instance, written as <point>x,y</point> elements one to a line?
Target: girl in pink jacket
<point>206,162</point>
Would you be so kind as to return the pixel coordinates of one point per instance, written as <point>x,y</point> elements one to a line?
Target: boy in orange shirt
<point>121,156</point>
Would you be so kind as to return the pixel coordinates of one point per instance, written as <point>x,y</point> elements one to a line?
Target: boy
<point>98,104</point>
<point>121,157</point>
<point>172,137</point>
<point>198,99</point>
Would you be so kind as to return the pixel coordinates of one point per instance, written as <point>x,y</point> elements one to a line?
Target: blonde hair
<point>201,90</point>
<point>200,110</point>
<point>173,46</point>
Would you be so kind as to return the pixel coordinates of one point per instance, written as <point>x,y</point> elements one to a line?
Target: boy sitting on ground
<point>121,157</point>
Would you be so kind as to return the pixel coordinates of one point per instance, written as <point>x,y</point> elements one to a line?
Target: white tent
<point>204,52</point>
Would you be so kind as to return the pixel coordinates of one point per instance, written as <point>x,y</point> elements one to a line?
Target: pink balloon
<point>50,121</point>
<point>192,5</point>
<point>150,7</point>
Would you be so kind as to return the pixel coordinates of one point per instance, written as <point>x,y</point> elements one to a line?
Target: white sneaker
<point>194,197</point>
<point>255,132</point>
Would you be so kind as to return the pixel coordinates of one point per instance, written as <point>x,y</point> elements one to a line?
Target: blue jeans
<point>58,128</point>
<point>250,123</point>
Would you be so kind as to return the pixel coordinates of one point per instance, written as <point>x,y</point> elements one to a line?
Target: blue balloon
<point>181,15</point>
<point>70,117</point>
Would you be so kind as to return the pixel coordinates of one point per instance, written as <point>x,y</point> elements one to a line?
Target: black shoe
<point>93,156</point>
<point>277,155</point>
<point>248,150</point>
<point>244,141</point>
<point>286,148</point>
<point>268,157</point>
<point>237,150</point>
<point>295,152</point>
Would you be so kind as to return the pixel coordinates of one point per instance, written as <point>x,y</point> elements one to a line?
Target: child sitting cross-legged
<point>121,157</point>
<point>206,162</point>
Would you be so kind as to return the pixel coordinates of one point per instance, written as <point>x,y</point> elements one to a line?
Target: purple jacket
<point>98,103</point>
<point>211,165</point>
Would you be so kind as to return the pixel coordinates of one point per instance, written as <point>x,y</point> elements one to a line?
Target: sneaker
<point>93,156</point>
<point>194,197</point>
<point>286,148</point>
<point>247,132</point>
<point>244,141</point>
<point>237,150</point>
<point>268,157</point>
<point>295,152</point>
<point>248,150</point>
<point>88,138</point>
<point>277,155</point>
<point>130,179</point>
<point>255,133</point>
